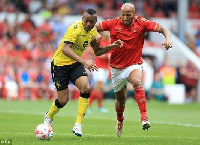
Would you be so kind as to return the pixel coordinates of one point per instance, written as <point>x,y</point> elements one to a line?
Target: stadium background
<point>30,31</point>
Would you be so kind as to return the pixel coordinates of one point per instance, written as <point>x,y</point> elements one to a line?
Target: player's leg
<point>60,79</point>
<point>135,78</point>
<point>92,97</point>
<point>99,96</point>
<point>119,108</point>
<point>100,78</point>
<point>60,102</point>
<point>119,83</point>
<point>120,104</point>
<point>80,79</point>
<point>82,84</point>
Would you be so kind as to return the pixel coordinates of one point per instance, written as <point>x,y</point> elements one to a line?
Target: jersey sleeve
<point>106,25</point>
<point>152,26</point>
<point>71,34</point>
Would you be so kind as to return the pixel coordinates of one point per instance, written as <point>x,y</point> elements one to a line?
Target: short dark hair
<point>91,11</point>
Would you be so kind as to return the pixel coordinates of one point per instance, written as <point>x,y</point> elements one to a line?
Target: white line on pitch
<point>124,136</point>
<point>91,117</point>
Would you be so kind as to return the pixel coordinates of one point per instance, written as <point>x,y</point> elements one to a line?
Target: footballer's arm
<point>98,50</point>
<point>167,43</point>
<point>69,53</point>
<point>89,64</point>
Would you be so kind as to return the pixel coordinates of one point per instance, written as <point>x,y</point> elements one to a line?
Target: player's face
<point>127,17</point>
<point>89,22</point>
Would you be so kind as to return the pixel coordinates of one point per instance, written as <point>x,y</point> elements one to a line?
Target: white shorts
<point>119,77</point>
<point>101,75</point>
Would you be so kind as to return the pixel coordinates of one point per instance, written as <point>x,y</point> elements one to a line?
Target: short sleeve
<point>71,34</point>
<point>152,26</point>
<point>106,25</point>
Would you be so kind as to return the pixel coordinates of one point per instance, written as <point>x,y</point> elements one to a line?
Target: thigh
<point>118,79</point>
<point>60,76</point>
<point>77,72</point>
<point>82,83</point>
<point>135,75</point>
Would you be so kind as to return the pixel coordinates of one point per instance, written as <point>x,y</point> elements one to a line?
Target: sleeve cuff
<point>68,42</point>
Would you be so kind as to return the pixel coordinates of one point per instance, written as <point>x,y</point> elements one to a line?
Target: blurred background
<point>30,31</point>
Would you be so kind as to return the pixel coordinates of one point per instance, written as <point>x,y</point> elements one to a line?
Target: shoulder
<point>141,19</point>
<point>94,31</point>
<point>112,20</point>
<point>75,27</point>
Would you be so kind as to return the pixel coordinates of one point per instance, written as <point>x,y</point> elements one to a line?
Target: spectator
<point>157,88</point>
<point>168,73</point>
<point>189,77</point>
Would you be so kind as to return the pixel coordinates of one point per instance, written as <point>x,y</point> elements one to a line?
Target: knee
<point>60,103</point>
<point>136,82</point>
<point>63,101</point>
<point>85,90</point>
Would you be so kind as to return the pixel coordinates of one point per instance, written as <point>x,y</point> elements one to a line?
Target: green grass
<point>171,124</point>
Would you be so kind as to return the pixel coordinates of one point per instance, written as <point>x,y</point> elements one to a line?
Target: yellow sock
<point>83,104</point>
<point>53,110</point>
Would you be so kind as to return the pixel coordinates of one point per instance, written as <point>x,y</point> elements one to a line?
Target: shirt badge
<point>119,29</point>
<point>135,30</point>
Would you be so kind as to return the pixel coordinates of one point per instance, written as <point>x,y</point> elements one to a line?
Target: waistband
<point>123,67</point>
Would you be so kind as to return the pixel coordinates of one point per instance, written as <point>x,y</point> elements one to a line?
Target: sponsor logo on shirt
<point>75,26</point>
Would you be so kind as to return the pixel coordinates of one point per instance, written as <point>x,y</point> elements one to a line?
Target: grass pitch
<point>171,124</point>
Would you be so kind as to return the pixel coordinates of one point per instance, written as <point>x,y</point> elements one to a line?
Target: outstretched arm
<point>98,50</point>
<point>167,43</point>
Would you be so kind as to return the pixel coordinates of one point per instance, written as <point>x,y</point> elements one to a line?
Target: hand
<point>118,43</point>
<point>167,43</point>
<point>90,65</point>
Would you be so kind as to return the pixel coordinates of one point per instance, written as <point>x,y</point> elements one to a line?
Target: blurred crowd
<point>108,9</point>
<point>26,49</point>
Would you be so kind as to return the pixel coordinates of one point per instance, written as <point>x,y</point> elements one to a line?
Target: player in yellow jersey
<point>68,65</point>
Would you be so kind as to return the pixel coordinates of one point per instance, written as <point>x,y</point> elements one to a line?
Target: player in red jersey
<point>101,76</point>
<point>126,61</point>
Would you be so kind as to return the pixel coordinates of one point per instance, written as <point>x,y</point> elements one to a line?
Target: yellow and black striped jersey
<point>80,39</point>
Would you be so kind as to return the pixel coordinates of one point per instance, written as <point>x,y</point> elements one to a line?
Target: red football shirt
<point>133,38</point>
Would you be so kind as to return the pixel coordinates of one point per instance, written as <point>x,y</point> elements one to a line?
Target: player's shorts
<point>61,75</point>
<point>101,75</point>
<point>119,77</point>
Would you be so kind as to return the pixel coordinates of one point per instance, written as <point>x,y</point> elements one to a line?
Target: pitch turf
<point>171,124</point>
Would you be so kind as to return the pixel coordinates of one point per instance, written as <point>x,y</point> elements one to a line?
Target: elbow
<point>161,29</point>
<point>63,51</point>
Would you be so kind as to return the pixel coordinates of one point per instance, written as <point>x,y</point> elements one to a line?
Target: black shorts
<point>61,75</point>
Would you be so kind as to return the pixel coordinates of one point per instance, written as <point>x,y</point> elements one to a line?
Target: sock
<point>55,107</point>
<point>141,101</point>
<point>83,104</point>
<point>92,97</point>
<point>120,112</point>
<point>99,98</point>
